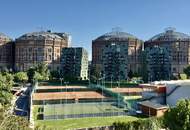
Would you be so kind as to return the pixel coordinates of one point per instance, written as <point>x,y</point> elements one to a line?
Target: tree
<point>187,71</point>
<point>38,72</point>
<point>183,76</point>
<point>178,118</point>
<point>135,74</point>
<point>6,83</point>
<point>30,74</point>
<point>37,76</point>
<point>148,124</point>
<point>43,70</point>
<point>21,77</point>
<point>130,74</point>
<point>7,120</point>
<point>55,74</point>
<point>12,122</point>
<point>95,73</point>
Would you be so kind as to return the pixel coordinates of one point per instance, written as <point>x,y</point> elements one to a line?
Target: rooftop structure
<point>39,36</point>
<point>115,35</point>
<point>153,105</point>
<point>152,109</point>
<point>170,34</point>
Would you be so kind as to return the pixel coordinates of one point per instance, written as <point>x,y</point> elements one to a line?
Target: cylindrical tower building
<point>178,46</point>
<point>6,50</point>
<point>36,47</point>
<point>131,52</point>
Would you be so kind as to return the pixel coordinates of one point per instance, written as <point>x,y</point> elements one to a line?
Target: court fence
<point>107,114</point>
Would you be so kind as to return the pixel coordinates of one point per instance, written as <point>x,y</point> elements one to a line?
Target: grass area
<point>35,111</point>
<point>132,97</point>
<point>68,124</point>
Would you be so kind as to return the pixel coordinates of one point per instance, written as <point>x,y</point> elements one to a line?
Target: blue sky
<point>87,19</point>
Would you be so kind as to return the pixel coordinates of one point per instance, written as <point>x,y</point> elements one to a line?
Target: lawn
<point>80,108</point>
<point>36,111</point>
<point>132,97</point>
<point>68,124</point>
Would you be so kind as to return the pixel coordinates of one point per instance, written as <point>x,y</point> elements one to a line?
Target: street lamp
<point>111,81</point>
<point>61,79</point>
<point>66,90</point>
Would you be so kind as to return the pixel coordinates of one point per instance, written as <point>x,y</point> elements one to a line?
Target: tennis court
<point>81,108</point>
<point>77,102</point>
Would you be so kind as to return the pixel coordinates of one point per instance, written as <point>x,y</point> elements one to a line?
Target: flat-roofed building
<point>74,63</point>
<point>115,63</point>
<point>152,109</point>
<point>158,64</point>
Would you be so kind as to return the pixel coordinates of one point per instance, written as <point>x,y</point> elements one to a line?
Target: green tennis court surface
<point>81,108</point>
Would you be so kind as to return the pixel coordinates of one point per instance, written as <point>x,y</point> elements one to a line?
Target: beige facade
<point>37,47</point>
<point>6,50</point>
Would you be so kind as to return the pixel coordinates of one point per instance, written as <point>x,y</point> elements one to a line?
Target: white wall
<point>179,93</point>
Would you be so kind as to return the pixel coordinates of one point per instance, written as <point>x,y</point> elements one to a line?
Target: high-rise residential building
<point>6,52</point>
<point>115,62</point>
<point>74,63</point>
<point>36,47</point>
<point>158,64</point>
<point>177,44</point>
<point>133,55</point>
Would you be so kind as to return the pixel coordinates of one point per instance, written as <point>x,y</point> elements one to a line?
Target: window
<point>49,49</point>
<point>30,49</point>
<point>49,57</point>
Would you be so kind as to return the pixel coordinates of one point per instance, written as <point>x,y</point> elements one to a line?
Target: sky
<point>85,20</point>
